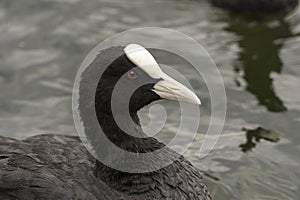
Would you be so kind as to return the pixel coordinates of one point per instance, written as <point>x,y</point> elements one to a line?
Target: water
<point>42,44</point>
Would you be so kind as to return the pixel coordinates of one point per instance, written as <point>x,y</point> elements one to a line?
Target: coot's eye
<point>132,74</point>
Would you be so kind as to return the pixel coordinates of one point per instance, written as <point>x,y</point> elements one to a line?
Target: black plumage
<point>60,167</point>
<point>49,167</point>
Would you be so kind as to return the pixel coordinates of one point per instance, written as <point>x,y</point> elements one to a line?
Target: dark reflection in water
<point>255,135</point>
<point>260,46</point>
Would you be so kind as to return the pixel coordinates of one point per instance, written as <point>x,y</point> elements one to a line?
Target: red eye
<point>132,74</point>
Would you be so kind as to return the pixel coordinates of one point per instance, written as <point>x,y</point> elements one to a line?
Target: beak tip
<point>198,101</point>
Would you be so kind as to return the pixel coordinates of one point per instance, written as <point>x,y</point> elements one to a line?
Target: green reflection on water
<point>260,44</point>
<point>255,135</point>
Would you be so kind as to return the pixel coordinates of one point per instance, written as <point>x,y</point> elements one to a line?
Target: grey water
<point>42,44</point>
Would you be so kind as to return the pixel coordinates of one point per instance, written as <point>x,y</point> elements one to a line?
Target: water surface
<point>42,44</point>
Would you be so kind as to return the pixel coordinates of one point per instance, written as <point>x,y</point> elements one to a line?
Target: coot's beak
<point>168,88</point>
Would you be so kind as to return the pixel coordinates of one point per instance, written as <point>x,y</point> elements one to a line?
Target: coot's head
<point>133,80</point>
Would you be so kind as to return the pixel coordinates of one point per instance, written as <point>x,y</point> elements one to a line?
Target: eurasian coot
<point>60,167</point>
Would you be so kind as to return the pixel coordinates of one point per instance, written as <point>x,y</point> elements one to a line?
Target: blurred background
<point>42,44</point>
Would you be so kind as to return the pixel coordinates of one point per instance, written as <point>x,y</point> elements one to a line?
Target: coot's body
<point>60,167</point>
<point>49,167</point>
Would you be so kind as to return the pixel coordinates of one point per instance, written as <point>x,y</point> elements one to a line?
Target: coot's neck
<point>118,127</point>
<point>135,141</point>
